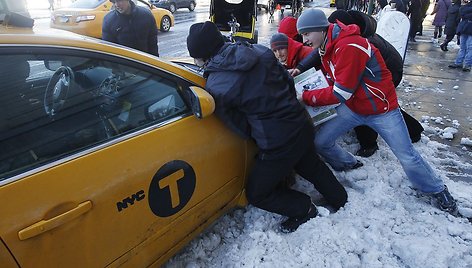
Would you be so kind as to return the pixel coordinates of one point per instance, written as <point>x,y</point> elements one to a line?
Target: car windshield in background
<point>89,4</point>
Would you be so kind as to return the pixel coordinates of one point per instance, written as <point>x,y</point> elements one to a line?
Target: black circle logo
<point>171,188</point>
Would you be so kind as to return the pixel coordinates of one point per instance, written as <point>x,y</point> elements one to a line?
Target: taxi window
<point>54,106</point>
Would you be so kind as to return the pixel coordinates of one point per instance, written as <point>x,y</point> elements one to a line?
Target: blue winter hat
<point>204,40</point>
<point>312,20</point>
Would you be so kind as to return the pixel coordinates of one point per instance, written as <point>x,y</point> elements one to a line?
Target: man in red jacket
<point>288,51</point>
<point>361,82</point>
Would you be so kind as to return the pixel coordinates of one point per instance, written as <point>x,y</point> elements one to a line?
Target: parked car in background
<point>173,5</point>
<point>86,17</point>
<point>109,156</point>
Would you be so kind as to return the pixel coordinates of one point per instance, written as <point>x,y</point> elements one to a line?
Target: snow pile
<point>384,224</point>
<point>466,141</point>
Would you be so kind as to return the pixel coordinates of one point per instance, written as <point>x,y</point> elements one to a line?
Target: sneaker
<point>454,66</point>
<point>445,201</point>
<point>292,223</point>
<point>366,152</point>
<point>466,69</point>
<point>412,39</point>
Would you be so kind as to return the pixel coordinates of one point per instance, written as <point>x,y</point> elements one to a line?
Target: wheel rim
<point>165,24</point>
<point>172,8</point>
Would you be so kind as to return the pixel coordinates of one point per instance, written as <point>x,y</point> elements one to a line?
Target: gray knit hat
<point>312,20</point>
<point>279,41</point>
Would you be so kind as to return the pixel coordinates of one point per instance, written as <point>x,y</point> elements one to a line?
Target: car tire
<point>165,24</point>
<point>172,8</point>
<point>191,7</point>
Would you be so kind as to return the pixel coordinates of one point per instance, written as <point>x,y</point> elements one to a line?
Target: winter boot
<point>466,68</point>
<point>443,47</point>
<point>454,66</point>
<point>446,202</point>
<point>292,223</point>
<point>366,152</point>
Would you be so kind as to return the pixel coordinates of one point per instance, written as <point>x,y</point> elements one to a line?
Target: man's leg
<point>468,53</point>
<point>462,51</point>
<point>367,138</point>
<point>325,138</point>
<point>263,188</point>
<point>391,127</point>
<point>313,169</point>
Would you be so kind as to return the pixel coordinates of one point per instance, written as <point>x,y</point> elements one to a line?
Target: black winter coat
<point>452,20</point>
<point>137,30</point>
<point>465,26</point>
<point>254,95</point>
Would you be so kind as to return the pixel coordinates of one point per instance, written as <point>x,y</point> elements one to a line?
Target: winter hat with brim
<point>204,40</point>
<point>279,41</point>
<point>312,20</point>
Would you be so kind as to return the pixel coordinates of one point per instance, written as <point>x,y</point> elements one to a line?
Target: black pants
<point>264,190</point>
<point>367,137</point>
<point>415,20</point>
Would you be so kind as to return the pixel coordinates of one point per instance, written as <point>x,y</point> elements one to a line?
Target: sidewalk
<point>436,94</point>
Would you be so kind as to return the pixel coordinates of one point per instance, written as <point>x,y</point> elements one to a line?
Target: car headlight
<point>84,18</point>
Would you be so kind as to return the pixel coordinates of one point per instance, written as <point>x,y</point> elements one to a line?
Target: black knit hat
<point>279,41</point>
<point>204,40</point>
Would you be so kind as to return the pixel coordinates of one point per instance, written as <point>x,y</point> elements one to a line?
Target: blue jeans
<point>391,127</point>
<point>464,56</point>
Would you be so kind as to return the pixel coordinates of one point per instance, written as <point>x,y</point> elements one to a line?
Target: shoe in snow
<point>454,66</point>
<point>446,202</point>
<point>466,69</point>
<point>292,223</point>
<point>366,152</point>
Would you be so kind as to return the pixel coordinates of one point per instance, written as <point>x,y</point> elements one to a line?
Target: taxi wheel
<point>191,7</point>
<point>165,24</point>
<point>172,8</point>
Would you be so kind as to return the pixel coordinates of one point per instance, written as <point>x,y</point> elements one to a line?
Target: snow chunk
<point>455,87</point>
<point>466,141</point>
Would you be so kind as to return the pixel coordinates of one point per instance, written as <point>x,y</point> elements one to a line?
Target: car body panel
<point>65,18</point>
<point>110,228</point>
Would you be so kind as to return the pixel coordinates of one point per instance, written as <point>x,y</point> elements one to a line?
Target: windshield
<point>89,4</point>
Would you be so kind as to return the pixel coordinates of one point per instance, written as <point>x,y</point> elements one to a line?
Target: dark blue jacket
<point>465,26</point>
<point>254,95</point>
<point>452,20</point>
<point>137,30</point>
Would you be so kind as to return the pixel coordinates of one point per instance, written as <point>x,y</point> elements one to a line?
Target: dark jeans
<point>264,190</point>
<point>448,39</point>
<point>367,137</point>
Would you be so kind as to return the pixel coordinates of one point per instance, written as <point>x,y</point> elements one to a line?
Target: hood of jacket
<point>240,56</point>
<point>337,32</point>
<point>288,26</point>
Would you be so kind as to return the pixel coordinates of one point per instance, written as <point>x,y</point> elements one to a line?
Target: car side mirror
<point>201,102</point>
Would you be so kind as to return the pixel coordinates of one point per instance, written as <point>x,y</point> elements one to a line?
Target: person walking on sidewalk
<point>132,26</point>
<point>464,29</point>
<point>452,20</point>
<point>363,85</point>
<point>256,98</point>
<point>424,9</point>
<point>51,5</point>
<point>414,11</point>
<point>440,12</point>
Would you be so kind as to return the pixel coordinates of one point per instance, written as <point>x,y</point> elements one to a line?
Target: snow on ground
<point>384,224</point>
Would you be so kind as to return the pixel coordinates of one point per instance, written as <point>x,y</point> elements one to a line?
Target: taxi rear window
<point>87,3</point>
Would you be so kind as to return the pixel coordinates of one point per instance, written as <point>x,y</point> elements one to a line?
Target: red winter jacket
<point>360,77</point>
<point>296,52</point>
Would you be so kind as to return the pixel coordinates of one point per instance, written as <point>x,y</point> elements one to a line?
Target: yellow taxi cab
<point>108,156</point>
<point>332,3</point>
<point>86,17</point>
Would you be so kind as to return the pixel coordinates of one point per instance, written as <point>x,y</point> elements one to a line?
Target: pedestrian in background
<point>440,12</point>
<point>452,20</point>
<point>424,10</point>
<point>414,11</point>
<point>51,5</point>
<point>132,26</point>
<point>464,29</point>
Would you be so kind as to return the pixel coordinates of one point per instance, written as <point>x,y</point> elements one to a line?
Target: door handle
<point>46,225</point>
